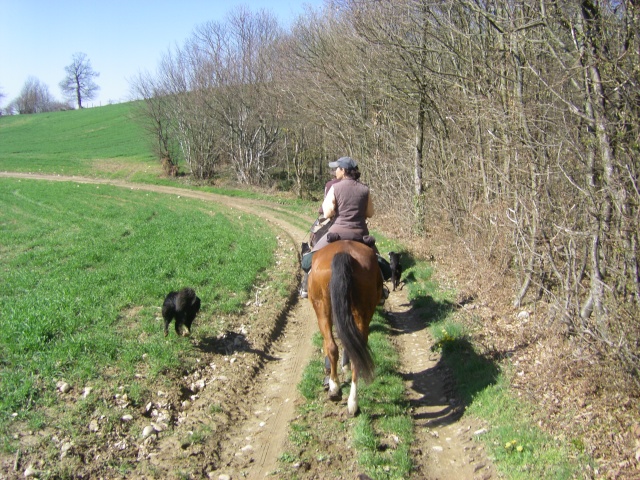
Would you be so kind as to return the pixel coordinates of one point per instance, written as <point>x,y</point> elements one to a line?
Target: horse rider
<point>347,205</point>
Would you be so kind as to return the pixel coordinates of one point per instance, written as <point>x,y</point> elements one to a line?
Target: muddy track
<point>255,385</point>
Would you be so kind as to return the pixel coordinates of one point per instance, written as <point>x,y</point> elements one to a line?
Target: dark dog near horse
<point>396,269</point>
<point>183,306</point>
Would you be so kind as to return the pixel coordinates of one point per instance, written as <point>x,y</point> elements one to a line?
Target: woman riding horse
<point>348,203</point>
<point>346,283</point>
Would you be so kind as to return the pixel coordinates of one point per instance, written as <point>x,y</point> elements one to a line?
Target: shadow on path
<point>442,379</point>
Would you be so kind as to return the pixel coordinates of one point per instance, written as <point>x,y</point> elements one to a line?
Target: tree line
<point>77,86</point>
<point>516,123</point>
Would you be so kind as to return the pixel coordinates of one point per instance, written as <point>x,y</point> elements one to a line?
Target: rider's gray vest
<point>351,204</point>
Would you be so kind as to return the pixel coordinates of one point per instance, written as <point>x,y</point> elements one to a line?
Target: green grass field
<point>103,140</point>
<point>77,258</point>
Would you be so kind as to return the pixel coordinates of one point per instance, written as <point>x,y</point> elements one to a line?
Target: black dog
<point>183,306</point>
<point>396,269</point>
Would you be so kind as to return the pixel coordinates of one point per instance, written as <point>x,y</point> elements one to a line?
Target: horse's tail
<point>340,287</point>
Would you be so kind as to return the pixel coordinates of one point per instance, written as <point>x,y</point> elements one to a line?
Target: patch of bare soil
<point>229,417</point>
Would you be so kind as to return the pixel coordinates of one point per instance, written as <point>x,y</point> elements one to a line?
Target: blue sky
<point>121,38</point>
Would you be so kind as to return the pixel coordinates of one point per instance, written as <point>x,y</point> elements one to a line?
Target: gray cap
<point>344,162</point>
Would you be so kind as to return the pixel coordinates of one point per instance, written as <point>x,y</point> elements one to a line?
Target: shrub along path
<point>231,416</point>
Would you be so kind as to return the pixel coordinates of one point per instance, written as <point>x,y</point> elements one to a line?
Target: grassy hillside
<point>104,141</point>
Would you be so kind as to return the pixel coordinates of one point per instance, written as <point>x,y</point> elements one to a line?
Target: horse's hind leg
<point>331,352</point>
<point>346,363</point>
<point>352,403</point>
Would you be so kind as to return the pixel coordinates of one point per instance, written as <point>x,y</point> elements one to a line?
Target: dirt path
<point>256,388</point>
<point>253,447</point>
<point>445,448</point>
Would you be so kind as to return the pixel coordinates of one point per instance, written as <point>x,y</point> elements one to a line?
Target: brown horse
<point>345,286</point>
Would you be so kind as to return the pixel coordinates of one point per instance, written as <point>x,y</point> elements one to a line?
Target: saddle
<point>368,240</point>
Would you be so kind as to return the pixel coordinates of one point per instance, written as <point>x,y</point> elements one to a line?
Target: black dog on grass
<point>396,269</point>
<point>183,306</point>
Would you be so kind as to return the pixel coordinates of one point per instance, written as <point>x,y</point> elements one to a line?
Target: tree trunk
<point>417,169</point>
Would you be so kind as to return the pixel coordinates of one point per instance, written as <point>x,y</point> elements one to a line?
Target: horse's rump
<point>341,289</point>
<point>345,286</point>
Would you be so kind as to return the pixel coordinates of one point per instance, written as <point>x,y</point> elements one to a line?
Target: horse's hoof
<point>335,396</point>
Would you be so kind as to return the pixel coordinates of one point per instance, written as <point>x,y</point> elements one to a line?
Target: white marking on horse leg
<point>333,388</point>
<point>352,403</point>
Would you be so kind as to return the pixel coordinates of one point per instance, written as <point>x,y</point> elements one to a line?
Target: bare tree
<point>79,84</point>
<point>243,73</point>
<point>34,98</point>
<point>155,116</point>
<point>213,99</point>
<point>179,111</point>
<point>336,81</point>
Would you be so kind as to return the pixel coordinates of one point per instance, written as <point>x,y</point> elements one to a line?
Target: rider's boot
<point>385,295</point>
<point>303,285</point>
